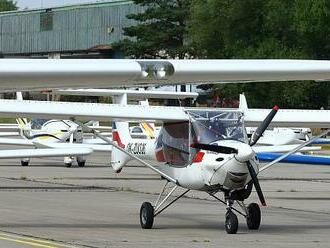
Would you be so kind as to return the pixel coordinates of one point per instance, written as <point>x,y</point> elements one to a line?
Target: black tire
<point>231,223</point>
<point>68,165</point>
<point>25,163</point>
<point>81,164</point>
<point>146,215</point>
<point>253,218</point>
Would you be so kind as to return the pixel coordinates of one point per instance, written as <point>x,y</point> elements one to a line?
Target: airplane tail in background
<point>149,128</point>
<point>242,102</point>
<point>22,122</point>
<point>120,135</point>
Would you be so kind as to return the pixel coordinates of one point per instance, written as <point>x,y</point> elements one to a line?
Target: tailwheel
<point>231,223</point>
<point>253,217</point>
<point>147,215</point>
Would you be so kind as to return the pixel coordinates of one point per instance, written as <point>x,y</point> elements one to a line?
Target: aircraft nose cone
<point>245,153</point>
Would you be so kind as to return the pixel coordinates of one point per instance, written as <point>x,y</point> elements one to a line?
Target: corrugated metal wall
<point>74,28</point>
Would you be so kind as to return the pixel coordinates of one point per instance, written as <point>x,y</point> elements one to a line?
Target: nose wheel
<point>231,223</point>
<point>251,213</point>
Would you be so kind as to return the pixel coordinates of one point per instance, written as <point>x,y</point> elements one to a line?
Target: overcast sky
<point>31,4</point>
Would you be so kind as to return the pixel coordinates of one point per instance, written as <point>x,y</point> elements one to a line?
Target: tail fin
<point>242,102</point>
<point>148,127</point>
<point>120,135</point>
<point>22,122</point>
<point>24,128</point>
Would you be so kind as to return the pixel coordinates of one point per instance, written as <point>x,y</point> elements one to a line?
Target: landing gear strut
<point>251,213</point>
<point>148,211</point>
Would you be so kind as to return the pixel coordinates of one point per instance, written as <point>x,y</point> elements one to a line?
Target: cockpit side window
<point>175,143</point>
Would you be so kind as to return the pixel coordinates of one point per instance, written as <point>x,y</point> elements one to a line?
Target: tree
<point>265,29</point>
<point>160,31</point>
<point>7,5</point>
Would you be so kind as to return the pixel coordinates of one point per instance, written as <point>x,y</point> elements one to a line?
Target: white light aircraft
<point>60,134</point>
<point>200,149</point>
<point>205,150</point>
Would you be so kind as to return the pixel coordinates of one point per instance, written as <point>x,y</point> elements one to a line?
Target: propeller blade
<point>263,126</point>
<point>215,148</point>
<point>256,184</point>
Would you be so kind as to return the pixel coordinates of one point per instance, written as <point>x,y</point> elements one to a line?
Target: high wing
<point>14,141</point>
<point>132,94</point>
<point>106,112</point>
<point>37,153</point>
<point>283,148</point>
<point>88,111</point>
<point>295,158</point>
<point>289,118</point>
<point>94,147</point>
<point>9,127</point>
<point>27,74</point>
<point>321,141</point>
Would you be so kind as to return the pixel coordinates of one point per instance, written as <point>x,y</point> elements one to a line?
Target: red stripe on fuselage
<point>160,156</point>
<point>116,137</point>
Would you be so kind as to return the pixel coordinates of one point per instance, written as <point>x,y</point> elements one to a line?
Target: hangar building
<point>85,30</point>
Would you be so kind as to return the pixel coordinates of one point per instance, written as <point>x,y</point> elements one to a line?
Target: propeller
<point>256,184</point>
<point>254,139</point>
<point>263,126</point>
<point>215,148</point>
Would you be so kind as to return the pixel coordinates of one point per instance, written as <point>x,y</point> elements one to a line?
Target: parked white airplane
<point>277,135</point>
<point>210,153</point>
<point>54,133</point>
<point>204,150</point>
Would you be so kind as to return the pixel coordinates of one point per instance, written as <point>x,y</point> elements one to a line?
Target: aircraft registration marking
<point>136,148</point>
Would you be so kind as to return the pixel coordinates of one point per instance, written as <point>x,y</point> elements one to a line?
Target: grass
<point>8,120</point>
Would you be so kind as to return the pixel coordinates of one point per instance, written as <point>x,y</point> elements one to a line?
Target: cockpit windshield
<point>206,126</point>
<point>213,125</point>
<point>37,123</point>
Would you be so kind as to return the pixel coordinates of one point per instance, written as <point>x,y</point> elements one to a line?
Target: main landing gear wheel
<point>81,161</point>
<point>231,223</point>
<point>146,215</point>
<point>81,164</point>
<point>68,165</point>
<point>253,217</point>
<point>25,163</point>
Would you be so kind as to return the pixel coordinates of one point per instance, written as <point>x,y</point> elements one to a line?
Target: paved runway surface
<point>48,205</point>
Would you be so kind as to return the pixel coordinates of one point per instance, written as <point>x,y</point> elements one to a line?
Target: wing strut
<point>110,142</point>
<point>294,150</point>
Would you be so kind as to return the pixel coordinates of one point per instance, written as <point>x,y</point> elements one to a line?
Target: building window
<point>46,20</point>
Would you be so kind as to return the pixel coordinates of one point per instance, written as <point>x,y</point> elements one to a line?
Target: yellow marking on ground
<point>32,241</point>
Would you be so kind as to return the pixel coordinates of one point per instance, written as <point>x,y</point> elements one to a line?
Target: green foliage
<point>7,5</point>
<point>265,29</point>
<point>160,31</point>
